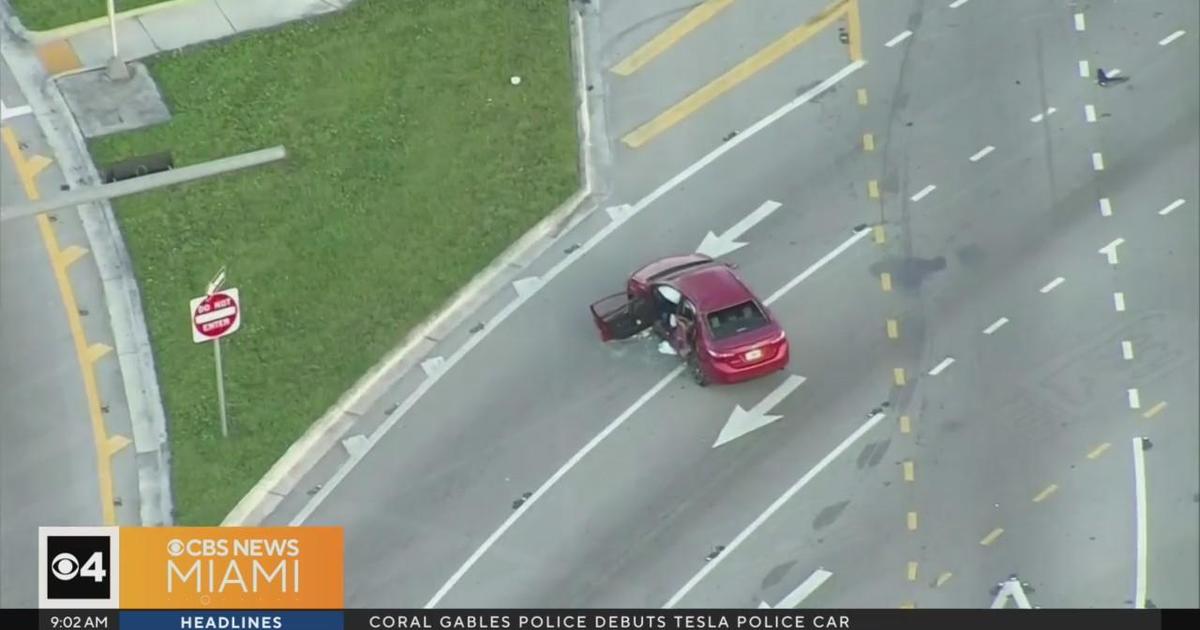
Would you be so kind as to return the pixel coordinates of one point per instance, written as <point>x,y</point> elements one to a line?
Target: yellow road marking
<point>905,425</point>
<point>943,578</point>
<point>670,36</point>
<point>873,189</point>
<point>96,351</point>
<point>893,329</point>
<point>908,605</point>
<point>1153,411</point>
<point>27,168</point>
<point>909,474</point>
<point>99,433</point>
<point>885,281</point>
<point>735,76</point>
<point>880,235</point>
<point>854,26</point>
<point>73,253</point>
<point>59,57</point>
<point>992,536</point>
<point>116,443</point>
<point>898,375</point>
<point>1099,450</point>
<point>912,571</point>
<point>912,521</point>
<point>868,142</point>
<point>1049,490</point>
<point>862,96</point>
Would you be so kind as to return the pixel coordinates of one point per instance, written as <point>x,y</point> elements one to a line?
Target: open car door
<point>618,317</point>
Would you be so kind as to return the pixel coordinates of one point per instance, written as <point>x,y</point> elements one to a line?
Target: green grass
<point>412,164</point>
<point>42,15</point>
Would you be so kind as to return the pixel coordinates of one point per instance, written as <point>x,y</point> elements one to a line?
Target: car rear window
<point>736,320</point>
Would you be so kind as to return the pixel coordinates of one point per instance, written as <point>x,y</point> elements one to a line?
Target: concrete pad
<point>247,16</point>
<point>58,57</point>
<point>187,24</point>
<point>94,47</point>
<point>103,106</point>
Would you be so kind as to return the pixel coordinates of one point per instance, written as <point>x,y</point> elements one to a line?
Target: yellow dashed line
<point>1153,411</point>
<point>868,142</point>
<point>898,375</point>
<point>893,329</point>
<point>992,536</point>
<point>735,76</point>
<point>912,521</point>
<point>1099,450</point>
<point>880,235</point>
<point>862,96</point>
<point>942,579</point>
<point>905,425</point>
<point>912,571</point>
<point>670,36</point>
<point>1049,490</point>
<point>27,168</point>
<point>885,281</point>
<point>873,189</point>
<point>909,474</point>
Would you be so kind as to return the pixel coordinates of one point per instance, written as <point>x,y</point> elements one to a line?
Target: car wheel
<point>697,372</point>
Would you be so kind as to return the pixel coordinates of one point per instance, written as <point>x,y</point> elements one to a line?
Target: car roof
<point>711,287</point>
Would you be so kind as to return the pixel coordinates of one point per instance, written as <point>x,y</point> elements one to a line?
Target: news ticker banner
<point>191,568</point>
<point>567,619</point>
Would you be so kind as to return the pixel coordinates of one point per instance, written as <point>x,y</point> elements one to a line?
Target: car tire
<point>697,372</point>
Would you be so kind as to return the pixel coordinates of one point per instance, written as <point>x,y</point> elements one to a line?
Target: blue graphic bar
<point>232,620</point>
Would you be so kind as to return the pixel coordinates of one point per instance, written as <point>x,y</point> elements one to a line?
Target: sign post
<point>216,314</point>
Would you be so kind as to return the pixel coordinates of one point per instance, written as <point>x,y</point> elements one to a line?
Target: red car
<point>707,314</point>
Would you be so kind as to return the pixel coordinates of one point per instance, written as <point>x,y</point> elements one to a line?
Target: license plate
<point>754,355</point>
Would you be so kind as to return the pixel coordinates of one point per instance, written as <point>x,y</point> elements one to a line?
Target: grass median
<point>413,162</point>
<point>42,15</point>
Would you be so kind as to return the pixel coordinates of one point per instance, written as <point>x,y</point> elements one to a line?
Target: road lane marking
<point>1084,70</point>
<point>899,38</point>
<point>1170,38</point>
<point>1168,209</point>
<point>1110,250</point>
<point>1050,286</point>
<point>995,326</point>
<point>880,236</point>
<point>801,593</point>
<point>873,189</point>
<point>862,96</point>
<point>100,439</point>
<point>982,153</point>
<point>1097,161</point>
<point>659,44</point>
<point>618,220</point>
<point>947,362</point>
<point>73,253</point>
<point>854,26</point>
<point>1134,398</point>
<point>992,536</point>
<point>595,441</point>
<point>1080,24</point>
<point>909,473</point>
<point>893,329</point>
<point>735,76</point>
<point>912,571</point>
<point>1105,207</point>
<point>97,351</point>
<point>1139,482</point>
<point>1089,112</point>
<point>911,521</point>
<point>923,192</point>
<point>774,507</point>
<point>1127,350</point>
<point>942,579</point>
<point>957,3</point>
<point>115,443</point>
<point>1049,490</point>
<point>7,112</point>
<point>868,142</point>
<point>1099,450</point>
<point>1154,411</point>
<point>58,57</point>
<point>1119,301</point>
<point>898,376</point>
<point>905,424</point>
<point>885,280</point>
<point>27,168</point>
<point>1042,116</point>
<point>907,605</point>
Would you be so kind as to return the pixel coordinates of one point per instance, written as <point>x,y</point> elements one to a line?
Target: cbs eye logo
<point>77,569</point>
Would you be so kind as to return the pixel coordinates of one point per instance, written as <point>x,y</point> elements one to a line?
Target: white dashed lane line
<point>1127,350</point>
<point>899,38</point>
<point>1080,24</point>
<point>1174,204</point>
<point>947,362</point>
<point>1089,112</point>
<point>924,191</point>
<point>957,3</point>
<point>1119,301</point>
<point>982,153</point>
<point>1135,400</point>
<point>1038,118</point>
<point>1098,161</point>
<point>1170,38</point>
<point>1105,207</point>
<point>1084,70</point>
<point>1050,286</point>
<point>995,326</point>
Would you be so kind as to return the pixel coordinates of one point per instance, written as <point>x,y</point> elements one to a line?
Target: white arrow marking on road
<point>1012,588</point>
<point>1110,250</point>
<point>7,112</point>
<point>432,365</point>
<point>717,246</point>
<point>805,589</point>
<point>526,286</point>
<point>742,422</point>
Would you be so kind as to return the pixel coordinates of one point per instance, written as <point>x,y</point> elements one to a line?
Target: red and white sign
<point>216,315</point>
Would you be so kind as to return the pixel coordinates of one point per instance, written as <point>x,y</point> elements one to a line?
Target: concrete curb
<point>131,338</point>
<point>326,432</point>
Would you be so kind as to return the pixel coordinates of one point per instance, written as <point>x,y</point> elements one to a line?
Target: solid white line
<point>1174,204</point>
<point>215,315</point>
<point>1119,301</point>
<point>806,588</point>
<point>995,326</point>
<point>7,112</point>
<point>1098,161</point>
<point>1110,250</point>
<point>982,153</point>
<point>858,236</point>
<point>1089,112</point>
<point>1170,38</point>
<point>774,507</point>
<point>558,268</point>
<point>1105,207</point>
<point>957,3</point>
<point>899,38</point>
<point>1139,485</point>
<point>1127,350</point>
<point>1079,23</point>
<point>1053,283</point>
<point>941,366</point>
<point>1084,70</point>
<point>1135,400</point>
<point>924,191</point>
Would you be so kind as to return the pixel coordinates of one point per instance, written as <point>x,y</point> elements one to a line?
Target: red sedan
<point>705,313</point>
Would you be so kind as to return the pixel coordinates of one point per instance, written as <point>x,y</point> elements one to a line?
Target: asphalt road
<point>51,435</point>
<point>917,490</point>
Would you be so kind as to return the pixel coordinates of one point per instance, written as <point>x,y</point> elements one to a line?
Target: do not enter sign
<point>215,316</point>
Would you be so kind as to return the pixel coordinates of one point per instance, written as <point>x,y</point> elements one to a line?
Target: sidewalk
<point>165,26</point>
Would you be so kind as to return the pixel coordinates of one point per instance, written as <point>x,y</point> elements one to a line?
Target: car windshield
<point>736,320</point>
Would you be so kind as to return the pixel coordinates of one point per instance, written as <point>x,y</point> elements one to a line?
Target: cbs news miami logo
<point>190,568</point>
